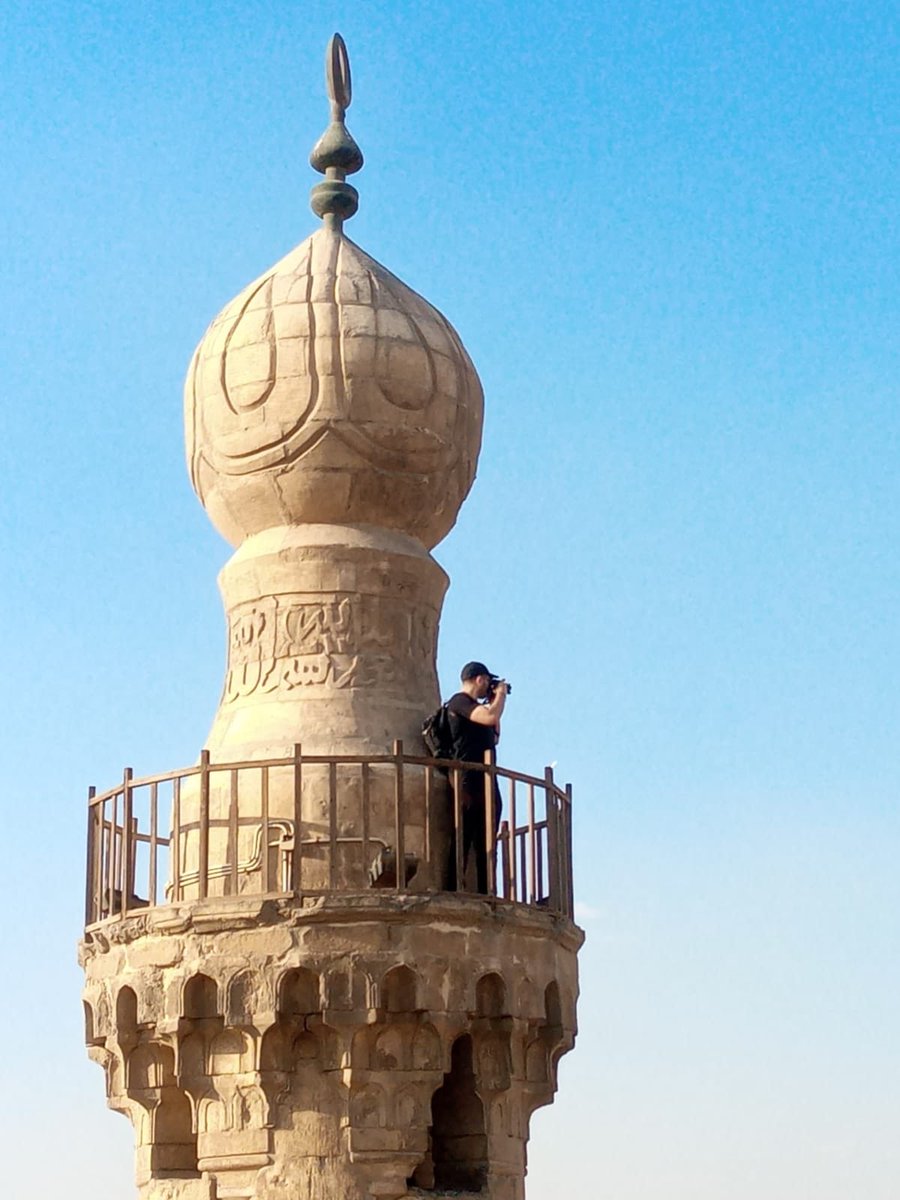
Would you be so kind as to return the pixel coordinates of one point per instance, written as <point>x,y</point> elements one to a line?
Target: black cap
<point>472,670</point>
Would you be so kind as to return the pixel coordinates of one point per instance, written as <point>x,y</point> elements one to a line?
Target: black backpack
<point>437,734</point>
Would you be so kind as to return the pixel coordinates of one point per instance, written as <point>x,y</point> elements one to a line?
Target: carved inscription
<point>288,642</point>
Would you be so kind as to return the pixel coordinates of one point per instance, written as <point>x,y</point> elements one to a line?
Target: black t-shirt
<point>470,739</point>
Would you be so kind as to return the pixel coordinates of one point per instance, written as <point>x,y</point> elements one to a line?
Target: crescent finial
<point>336,155</point>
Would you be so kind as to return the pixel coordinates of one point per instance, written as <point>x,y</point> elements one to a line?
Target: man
<point>475,727</point>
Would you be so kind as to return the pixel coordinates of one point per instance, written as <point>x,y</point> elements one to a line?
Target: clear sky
<point>667,234</point>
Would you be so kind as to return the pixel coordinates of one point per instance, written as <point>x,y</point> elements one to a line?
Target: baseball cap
<point>472,670</point>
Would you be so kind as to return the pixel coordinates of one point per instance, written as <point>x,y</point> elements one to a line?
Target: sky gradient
<point>667,236</point>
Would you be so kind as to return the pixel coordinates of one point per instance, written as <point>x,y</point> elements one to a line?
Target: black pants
<point>474,830</point>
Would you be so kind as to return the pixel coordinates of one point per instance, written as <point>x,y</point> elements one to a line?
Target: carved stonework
<point>394,1054</point>
<point>286,642</point>
<point>329,391</point>
<point>299,1011</point>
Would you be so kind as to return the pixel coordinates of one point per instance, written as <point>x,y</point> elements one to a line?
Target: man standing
<point>475,713</point>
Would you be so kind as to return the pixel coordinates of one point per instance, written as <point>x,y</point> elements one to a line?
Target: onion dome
<point>328,391</point>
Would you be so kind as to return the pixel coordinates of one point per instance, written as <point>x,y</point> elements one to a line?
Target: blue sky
<point>667,235</point>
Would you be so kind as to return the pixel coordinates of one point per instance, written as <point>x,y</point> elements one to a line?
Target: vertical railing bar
<point>99,861</point>
<point>265,879</point>
<point>551,803</point>
<point>522,837</point>
<point>332,825</point>
<point>298,818</point>
<point>111,860</point>
<point>532,848</point>
<point>399,848</point>
<point>540,864</point>
<point>503,842</point>
<point>512,825</point>
<point>490,777</point>
<point>457,829</point>
<point>154,841</point>
<point>570,887</point>
<point>428,784</point>
<point>366,852</point>
<point>233,850</point>
<point>203,864</point>
<point>89,885</point>
<point>175,858</point>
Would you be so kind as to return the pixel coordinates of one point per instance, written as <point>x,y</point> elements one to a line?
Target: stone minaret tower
<point>288,1002</point>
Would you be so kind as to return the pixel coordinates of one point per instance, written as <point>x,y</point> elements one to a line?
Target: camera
<point>495,679</point>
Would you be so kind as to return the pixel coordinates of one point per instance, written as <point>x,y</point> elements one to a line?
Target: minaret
<point>288,1003</point>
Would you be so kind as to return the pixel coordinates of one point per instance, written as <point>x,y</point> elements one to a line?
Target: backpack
<point>437,734</point>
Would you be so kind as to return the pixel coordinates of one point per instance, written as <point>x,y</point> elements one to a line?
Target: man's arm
<point>489,714</point>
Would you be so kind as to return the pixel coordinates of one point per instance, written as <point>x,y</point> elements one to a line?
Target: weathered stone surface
<point>230,1059</point>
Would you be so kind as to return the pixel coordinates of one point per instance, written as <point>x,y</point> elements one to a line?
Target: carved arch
<point>126,1011</point>
<point>91,1036</point>
<point>242,998</point>
<point>399,990</point>
<point>299,993</point>
<point>490,996</point>
<point>200,998</point>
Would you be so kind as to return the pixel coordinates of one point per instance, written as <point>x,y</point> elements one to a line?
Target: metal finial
<point>336,155</point>
<point>337,76</point>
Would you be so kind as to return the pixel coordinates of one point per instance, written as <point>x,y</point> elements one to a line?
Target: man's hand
<point>489,714</point>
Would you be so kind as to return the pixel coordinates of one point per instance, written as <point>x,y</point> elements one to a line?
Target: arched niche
<point>459,1156</point>
<point>149,1067</point>
<point>399,990</point>
<point>126,1011</point>
<point>553,1009</point>
<point>230,1053</point>
<point>490,996</point>
<point>242,998</point>
<point>91,1037</point>
<point>200,1000</point>
<point>298,993</point>
<point>174,1139</point>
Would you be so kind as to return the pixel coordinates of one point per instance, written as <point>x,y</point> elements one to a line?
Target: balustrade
<point>210,830</point>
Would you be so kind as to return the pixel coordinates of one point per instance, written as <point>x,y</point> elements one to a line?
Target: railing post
<point>111,862</point>
<point>535,881</point>
<point>99,861</point>
<point>364,803</point>
<point>233,829</point>
<point>154,843</point>
<point>127,872</point>
<point>265,881</point>
<point>428,781</point>
<point>298,818</point>
<point>175,840</point>
<point>332,825</point>
<point>203,852</point>
<point>458,867</point>
<point>552,810</point>
<point>490,774</point>
<point>512,882</point>
<point>567,830</point>
<point>503,846</point>
<point>399,847</point>
<point>89,883</point>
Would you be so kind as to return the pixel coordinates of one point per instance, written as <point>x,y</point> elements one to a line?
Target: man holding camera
<point>474,714</point>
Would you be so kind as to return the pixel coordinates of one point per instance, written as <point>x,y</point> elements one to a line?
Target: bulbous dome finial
<point>336,154</point>
<point>328,392</point>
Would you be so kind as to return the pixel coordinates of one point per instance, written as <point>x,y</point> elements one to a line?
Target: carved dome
<point>328,391</point>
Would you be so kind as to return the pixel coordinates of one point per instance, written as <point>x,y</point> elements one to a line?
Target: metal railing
<point>140,831</point>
